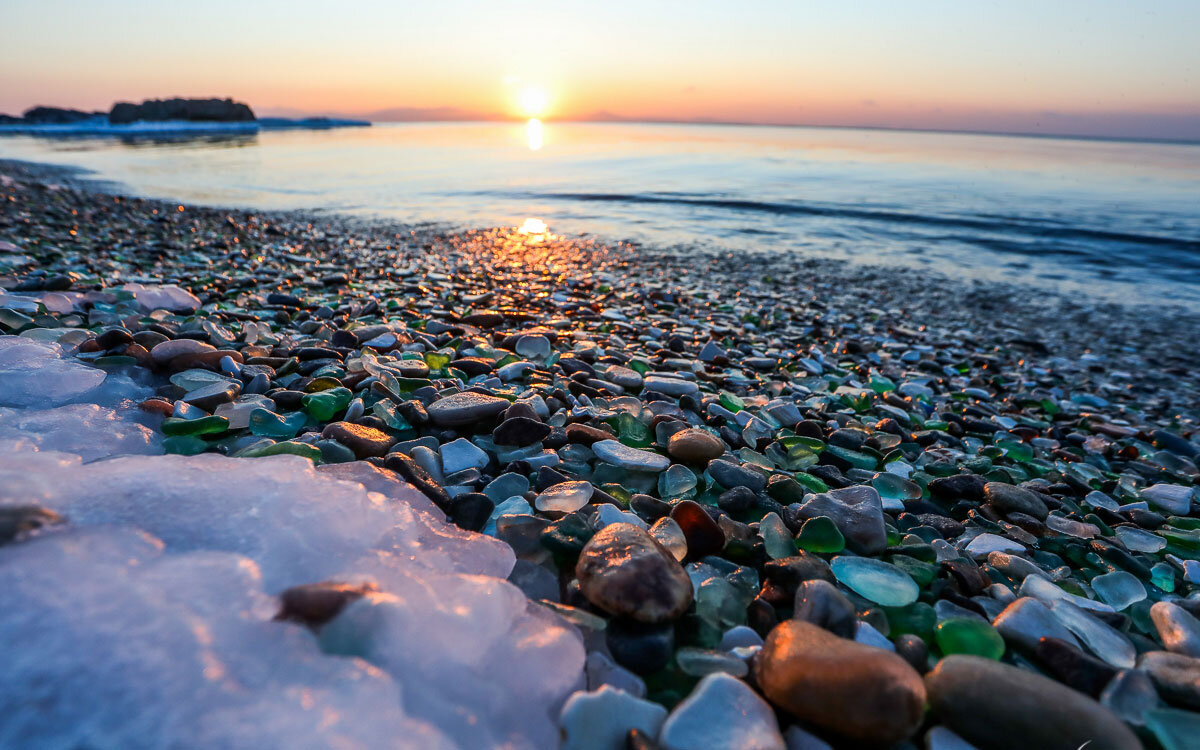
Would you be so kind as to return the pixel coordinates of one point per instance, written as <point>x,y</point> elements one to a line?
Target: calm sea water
<point>1113,219</point>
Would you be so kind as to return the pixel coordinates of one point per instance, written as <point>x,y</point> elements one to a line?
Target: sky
<point>1089,67</point>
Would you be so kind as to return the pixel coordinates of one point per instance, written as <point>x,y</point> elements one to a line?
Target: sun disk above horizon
<point>533,101</point>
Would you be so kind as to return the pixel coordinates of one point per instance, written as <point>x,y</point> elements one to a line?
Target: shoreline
<point>863,486</point>
<point>1055,320</point>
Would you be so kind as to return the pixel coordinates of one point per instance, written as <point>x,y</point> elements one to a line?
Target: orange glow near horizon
<point>1074,65</point>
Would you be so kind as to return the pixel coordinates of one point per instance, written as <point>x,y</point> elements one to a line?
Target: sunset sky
<point>1080,66</point>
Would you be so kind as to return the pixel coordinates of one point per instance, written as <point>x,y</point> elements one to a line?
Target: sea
<point>1110,219</point>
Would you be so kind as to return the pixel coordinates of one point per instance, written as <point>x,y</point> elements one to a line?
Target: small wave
<point>1045,228</point>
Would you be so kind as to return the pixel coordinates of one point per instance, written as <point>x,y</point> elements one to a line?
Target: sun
<point>533,101</point>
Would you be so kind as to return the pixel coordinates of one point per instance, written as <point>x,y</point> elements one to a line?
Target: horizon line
<point>1184,141</point>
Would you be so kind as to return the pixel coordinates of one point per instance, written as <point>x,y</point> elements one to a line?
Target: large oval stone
<point>862,693</point>
<point>625,572</point>
<point>465,408</point>
<point>695,446</point>
<point>994,705</point>
<point>168,350</point>
<point>364,441</point>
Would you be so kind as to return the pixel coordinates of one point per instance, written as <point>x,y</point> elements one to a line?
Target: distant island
<point>161,116</point>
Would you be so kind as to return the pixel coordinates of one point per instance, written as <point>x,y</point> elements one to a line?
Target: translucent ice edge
<point>146,619</point>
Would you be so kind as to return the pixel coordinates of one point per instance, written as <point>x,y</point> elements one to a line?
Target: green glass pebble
<point>1162,575</point>
<point>288,447</point>
<point>854,458</point>
<point>894,487</point>
<point>567,535</point>
<point>201,426</point>
<point>731,402</point>
<point>1173,728</point>
<point>322,383</point>
<point>811,483</point>
<point>325,405</point>
<point>917,618</point>
<point>184,445</point>
<point>876,580</point>
<point>923,573</point>
<point>777,539</point>
<point>632,432</point>
<point>333,452</point>
<point>820,535</point>
<point>391,416</point>
<point>267,423</point>
<point>1016,451</point>
<point>881,385</point>
<point>967,635</point>
<point>436,360</point>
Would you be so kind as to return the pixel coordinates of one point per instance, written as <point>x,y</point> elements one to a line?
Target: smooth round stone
<point>520,431</point>
<point>16,520</point>
<point>876,580</point>
<point>695,446</point>
<point>630,459</point>
<point>564,497</point>
<point>1179,630</point>
<point>465,408</point>
<point>819,602</point>
<point>1006,499</point>
<point>1176,676</point>
<point>624,377</point>
<point>640,648</point>
<point>969,635</point>
<point>670,386</point>
<point>625,572</point>
<point>859,692</point>
<point>169,350</point>
<point>996,707</point>
<point>722,712</point>
<point>364,441</point>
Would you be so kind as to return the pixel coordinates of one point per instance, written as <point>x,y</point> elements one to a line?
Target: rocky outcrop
<point>57,116</point>
<point>193,110</point>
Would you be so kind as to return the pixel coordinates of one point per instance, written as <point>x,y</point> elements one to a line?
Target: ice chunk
<point>107,642</point>
<point>146,621</point>
<point>168,297</point>
<point>88,430</point>
<point>33,373</point>
<point>299,525</point>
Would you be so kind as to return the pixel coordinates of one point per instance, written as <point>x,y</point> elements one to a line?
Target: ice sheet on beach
<point>146,619</point>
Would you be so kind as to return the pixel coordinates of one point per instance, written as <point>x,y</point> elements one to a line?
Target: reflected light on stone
<point>533,133</point>
<point>533,226</point>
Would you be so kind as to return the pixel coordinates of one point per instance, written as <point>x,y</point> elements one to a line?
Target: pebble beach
<point>295,479</point>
